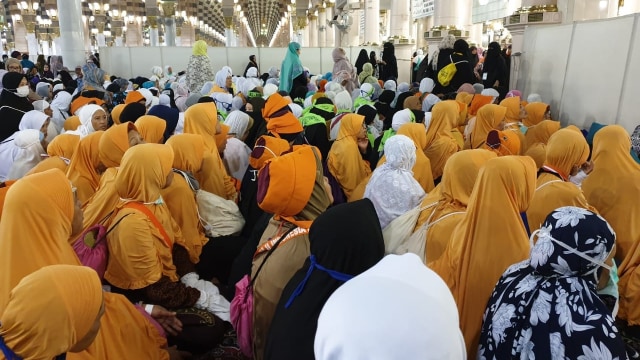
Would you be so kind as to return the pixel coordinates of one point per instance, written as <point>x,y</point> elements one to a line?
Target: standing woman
<point>199,68</point>
<point>361,60</point>
<point>390,64</point>
<point>494,70</point>
<point>373,60</point>
<point>341,63</point>
<point>252,63</point>
<point>291,70</point>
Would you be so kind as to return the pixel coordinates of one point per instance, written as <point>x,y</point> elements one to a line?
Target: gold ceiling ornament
<point>168,8</point>
<point>228,22</point>
<point>153,21</point>
<point>538,9</point>
<point>178,31</point>
<point>31,26</point>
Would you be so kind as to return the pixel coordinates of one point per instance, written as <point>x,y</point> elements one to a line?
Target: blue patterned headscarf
<point>547,307</point>
<point>93,76</point>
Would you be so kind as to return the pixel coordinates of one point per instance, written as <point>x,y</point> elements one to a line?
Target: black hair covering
<point>387,97</point>
<point>362,59</point>
<point>259,127</point>
<point>345,238</point>
<point>461,46</point>
<point>11,80</point>
<point>167,114</point>
<point>132,112</point>
<point>8,97</point>
<point>205,99</point>
<point>369,112</point>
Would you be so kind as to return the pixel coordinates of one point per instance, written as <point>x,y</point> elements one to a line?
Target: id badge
<point>484,76</point>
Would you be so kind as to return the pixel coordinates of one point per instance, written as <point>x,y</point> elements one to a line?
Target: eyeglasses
<point>15,68</point>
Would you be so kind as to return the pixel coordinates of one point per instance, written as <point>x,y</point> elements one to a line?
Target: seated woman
<point>440,141</point>
<point>539,133</point>
<point>343,244</point>
<point>151,129</point>
<point>113,144</point>
<point>92,118</point>
<point>567,152</point>
<point>536,113</point>
<point>146,259</point>
<point>612,188</point>
<point>236,153</point>
<point>503,190</point>
<point>513,118</point>
<point>72,293</point>
<point>30,146</point>
<point>460,174</point>
<point>489,117</point>
<point>60,151</point>
<point>296,176</point>
<point>85,168</point>
<point>347,330</point>
<point>422,169</point>
<point>546,307</point>
<point>201,119</point>
<point>346,158</point>
<point>392,188</point>
<point>46,202</point>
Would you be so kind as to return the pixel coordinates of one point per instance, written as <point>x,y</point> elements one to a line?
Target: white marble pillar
<point>331,31</point>
<point>305,36</point>
<point>101,40</point>
<point>20,36</point>
<point>372,22</point>
<point>630,7</point>
<point>72,39</point>
<point>400,18</point>
<point>32,44</point>
<point>312,29</point>
<point>170,31</point>
<point>322,24</point>
<point>229,35</point>
<point>153,37</point>
<point>119,42</point>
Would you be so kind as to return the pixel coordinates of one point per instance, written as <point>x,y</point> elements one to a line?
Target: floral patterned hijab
<point>547,307</point>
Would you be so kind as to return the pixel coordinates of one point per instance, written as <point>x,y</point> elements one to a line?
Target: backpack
<point>446,74</point>
<point>242,305</point>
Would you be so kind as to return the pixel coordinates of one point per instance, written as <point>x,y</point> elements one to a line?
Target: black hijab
<point>132,112</point>
<point>8,97</point>
<point>362,59</point>
<point>259,127</point>
<point>345,239</point>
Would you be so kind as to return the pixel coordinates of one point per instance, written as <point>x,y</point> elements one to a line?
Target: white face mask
<point>22,91</point>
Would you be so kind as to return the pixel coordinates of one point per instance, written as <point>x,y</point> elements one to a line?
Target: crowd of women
<point>377,219</point>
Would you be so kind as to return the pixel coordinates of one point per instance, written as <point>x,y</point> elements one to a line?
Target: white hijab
<point>429,101</point>
<point>398,309</point>
<point>85,114</point>
<point>29,153</point>
<point>392,188</point>
<point>238,123</point>
<point>400,118</point>
<point>31,120</point>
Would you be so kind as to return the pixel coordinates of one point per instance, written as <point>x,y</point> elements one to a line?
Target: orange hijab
<point>612,187</point>
<point>71,123</point>
<point>422,168</point>
<point>83,171</point>
<point>540,133</point>
<point>478,102</point>
<point>45,202</point>
<point>133,97</point>
<point>112,146</point>
<point>460,174</point>
<point>538,152</point>
<point>59,303</point>
<point>151,128</point>
<point>440,142</point>
<point>535,113</point>
<point>489,118</point>
<point>267,147</point>
<point>502,191</point>
<point>137,264</point>
<point>115,113</point>
<point>63,145</point>
<point>566,149</point>
<point>202,119</point>
<point>279,118</point>
<point>345,161</point>
<point>513,120</point>
<point>188,152</point>
<point>37,214</point>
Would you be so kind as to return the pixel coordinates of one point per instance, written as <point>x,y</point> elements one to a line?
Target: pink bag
<point>91,248</point>
<point>242,305</point>
<point>242,315</point>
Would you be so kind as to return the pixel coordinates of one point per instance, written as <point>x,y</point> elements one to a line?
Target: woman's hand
<point>167,319</point>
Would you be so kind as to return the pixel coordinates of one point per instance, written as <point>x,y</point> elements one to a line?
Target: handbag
<point>400,229</point>
<point>242,305</point>
<point>91,247</point>
<point>446,74</point>
<point>218,216</point>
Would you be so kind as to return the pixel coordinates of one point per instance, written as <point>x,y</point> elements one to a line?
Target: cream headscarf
<point>392,188</point>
